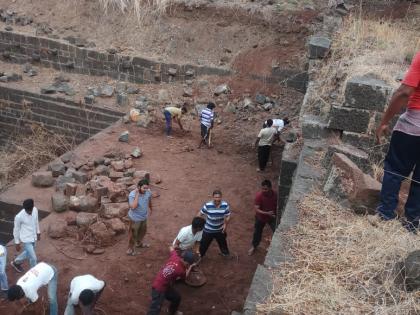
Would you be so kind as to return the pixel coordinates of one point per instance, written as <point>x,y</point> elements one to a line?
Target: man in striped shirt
<point>206,120</point>
<point>217,213</point>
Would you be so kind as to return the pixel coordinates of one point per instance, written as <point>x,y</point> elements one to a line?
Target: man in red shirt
<point>403,155</point>
<point>177,267</point>
<point>265,212</point>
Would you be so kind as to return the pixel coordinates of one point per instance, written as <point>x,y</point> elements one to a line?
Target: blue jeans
<point>3,275</point>
<point>27,253</point>
<point>52,293</point>
<point>403,157</point>
<point>168,120</point>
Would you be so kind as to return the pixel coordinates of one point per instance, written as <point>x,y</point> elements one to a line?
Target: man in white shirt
<point>189,237</point>
<point>3,276</point>
<point>264,141</point>
<point>278,124</point>
<point>36,277</point>
<point>85,291</point>
<point>26,231</point>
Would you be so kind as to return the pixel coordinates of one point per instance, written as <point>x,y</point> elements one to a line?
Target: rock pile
<point>97,190</point>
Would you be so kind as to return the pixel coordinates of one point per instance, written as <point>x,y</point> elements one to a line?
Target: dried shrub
<point>25,153</point>
<point>342,265</point>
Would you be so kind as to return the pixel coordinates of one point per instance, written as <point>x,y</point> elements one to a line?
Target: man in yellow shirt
<point>174,113</point>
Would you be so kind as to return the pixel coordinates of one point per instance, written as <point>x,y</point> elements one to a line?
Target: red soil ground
<point>189,178</point>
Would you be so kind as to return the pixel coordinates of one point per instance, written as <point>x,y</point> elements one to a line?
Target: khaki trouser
<point>137,232</point>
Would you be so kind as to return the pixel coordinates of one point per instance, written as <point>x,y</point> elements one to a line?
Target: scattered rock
<point>89,99</point>
<point>136,153</point>
<point>116,225</point>
<point>57,229</point>
<point>66,157</point>
<point>122,99</point>
<point>319,46</point>
<point>124,136</point>
<point>188,92</point>
<point>260,99</point>
<point>221,89</point>
<point>118,165</point>
<point>88,203</point>
<point>49,90</point>
<point>115,175</point>
<point>101,233</point>
<point>132,90</point>
<point>70,189</point>
<point>106,90</point>
<point>412,271</point>
<point>230,108</point>
<point>101,170</point>
<point>59,202</point>
<point>42,179</point>
<point>172,72</point>
<point>85,219</point>
<point>189,73</point>
<point>114,210</point>
<point>268,106</point>
<point>62,181</point>
<point>128,164</point>
<point>81,177</point>
<point>57,168</point>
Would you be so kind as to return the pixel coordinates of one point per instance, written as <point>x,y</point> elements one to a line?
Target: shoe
<point>17,267</point>
<point>131,252</point>
<point>226,256</point>
<point>143,245</point>
<point>251,251</point>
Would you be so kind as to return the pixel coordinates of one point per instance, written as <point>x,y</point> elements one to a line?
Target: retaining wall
<point>20,109</point>
<point>7,215</point>
<point>60,55</point>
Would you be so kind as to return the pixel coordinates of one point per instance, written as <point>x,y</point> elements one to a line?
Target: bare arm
<point>135,202</point>
<point>259,211</point>
<point>256,142</point>
<point>398,101</point>
<point>150,204</point>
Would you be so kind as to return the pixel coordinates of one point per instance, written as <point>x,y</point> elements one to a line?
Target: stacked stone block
<point>20,109</point>
<point>60,55</point>
<point>365,101</point>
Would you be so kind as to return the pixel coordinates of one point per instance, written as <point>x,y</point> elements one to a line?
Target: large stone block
<point>349,119</point>
<point>319,46</point>
<point>349,186</point>
<point>359,157</point>
<point>367,92</point>
<point>42,179</point>
<point>358,140</point>
<point>412,271</point>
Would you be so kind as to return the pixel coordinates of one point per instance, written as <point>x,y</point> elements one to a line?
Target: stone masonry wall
<point>60,55</point>
<point>20,109</point>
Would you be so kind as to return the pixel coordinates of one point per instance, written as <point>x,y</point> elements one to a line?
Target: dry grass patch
<point>141,8</point>
<point>364,46</point>
<point>27,153</point>
<point>343,265</point>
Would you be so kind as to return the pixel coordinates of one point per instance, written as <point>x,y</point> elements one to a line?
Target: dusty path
<point>189,178</point>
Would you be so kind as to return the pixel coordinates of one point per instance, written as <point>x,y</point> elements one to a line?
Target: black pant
<point>258,230</point>
<point>403,158</point>
<point>157,300</point>
<point>263,155</point>
<point>207,238</point>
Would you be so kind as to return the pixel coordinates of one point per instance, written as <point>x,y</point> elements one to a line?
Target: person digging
<point>140,202</point>
<point>173,113</point>
<point>177,267</point>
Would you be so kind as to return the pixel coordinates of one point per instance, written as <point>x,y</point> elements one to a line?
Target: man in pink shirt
<point>403,157</point>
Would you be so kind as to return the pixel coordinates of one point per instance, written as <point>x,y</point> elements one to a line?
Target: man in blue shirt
<point>217,213</point>
<point>140,202</point>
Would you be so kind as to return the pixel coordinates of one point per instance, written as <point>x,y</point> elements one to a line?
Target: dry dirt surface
<point>188,179</point>
<point>200,32</point>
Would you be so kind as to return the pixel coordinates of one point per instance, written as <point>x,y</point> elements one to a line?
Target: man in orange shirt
<point>403,156</point>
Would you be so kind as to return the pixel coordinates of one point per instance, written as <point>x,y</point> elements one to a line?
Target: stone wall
<point>7,216</point>
<point>60,55</point>
<point>20,109</point>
